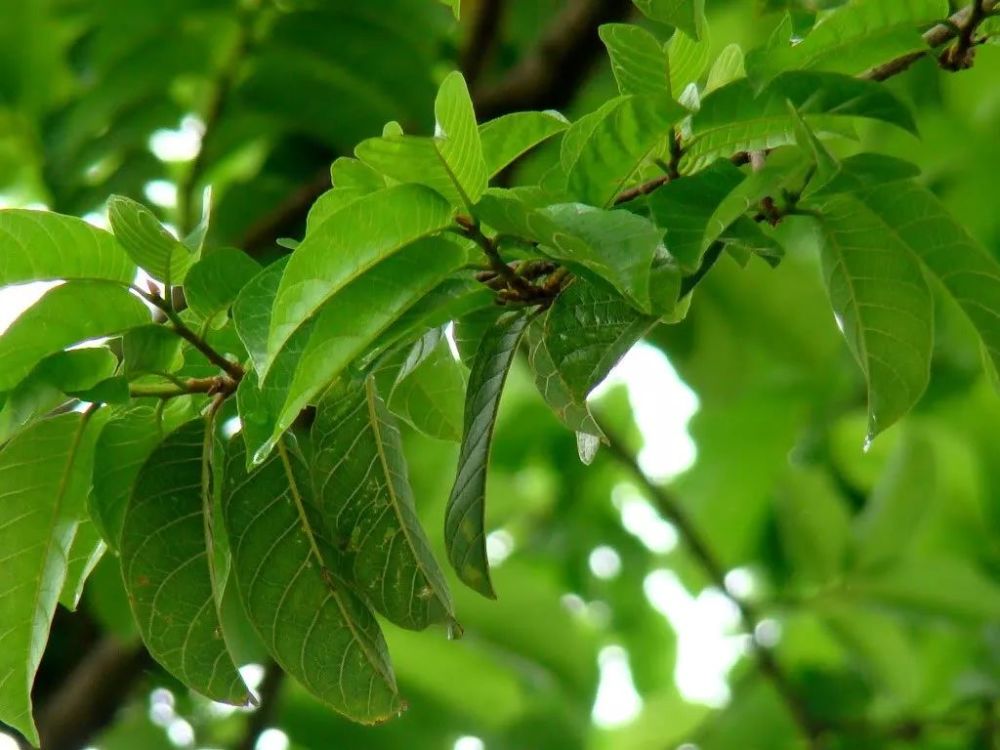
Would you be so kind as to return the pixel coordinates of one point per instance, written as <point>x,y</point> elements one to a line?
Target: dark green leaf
<point>430,388</point>
<point>465,520</point>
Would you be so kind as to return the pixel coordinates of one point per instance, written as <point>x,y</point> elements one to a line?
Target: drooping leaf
<point>308,619</point>
<point>361,311</point>
<point>85,552</point>
<point>638,59</point>
<point>44,472</point>
<point>166,560</point>
<point>252,311</point>
<point>214,282</point>
<point>602,156</point>
<point>42,246</point>
<point>364,233</point>
<point>430,387</point>
<point>147,242</point>
<point>507,138</point>
<point>363,493</point>
<point>733,118</point>
<point>465,519</point>
<point>851,39</point>
<point>684,14</point>
<point>587,330</point>
<point>55,322</point>
<point>883,306</point>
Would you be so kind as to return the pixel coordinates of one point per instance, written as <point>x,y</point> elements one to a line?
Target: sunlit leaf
<point>638,59</point>
<point>147,242</point>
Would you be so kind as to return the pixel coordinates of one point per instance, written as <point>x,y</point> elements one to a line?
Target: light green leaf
<point>367,231</point>
<point>638,59</point>
<point>686,15</point>
<point>688,59</point>
<point>621,139</point>
<point>214,282</point>
<point>587,330</point>
<point>363,493</point>
<point>430,388</point>
<point>44,472</point>
<point>826,166</point>
<point>914,218</point>
<point>507,138</point>
<point>814,524</point>
<point>252,311</point>
<point>55,322</point>
<point>166,560</point>
<point>684,207</point>
<point>733,118</point>
<point>865,171</point>
<point>465,519</point>
<point>571,411</point>
<point>150,348</point>
<point>455,5</point>
<point>893,513</point>
<point>330,203</point>
<point>158,252</point>
<point>883,306</point>
<point>728,67</point>
<point>360,312</point>
<point>346,172</point>
<point>852,38</point>
<point>42,246</point>
<point>287,575</point>
<point>86,551</point>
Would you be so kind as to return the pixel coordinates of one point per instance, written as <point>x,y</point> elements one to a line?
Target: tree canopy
<point>500,374</point>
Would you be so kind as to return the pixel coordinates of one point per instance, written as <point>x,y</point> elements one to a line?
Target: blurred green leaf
<point>684,14</point>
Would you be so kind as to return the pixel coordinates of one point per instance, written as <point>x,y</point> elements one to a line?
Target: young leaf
<point>166,560</point>
<point>42,246</point>
<point>606,153</point>
<point>509,137</point>
<point>360,312</point>
<point>684,14</point>
<point>851,39</point>
<point>305,614</point>
<point>214,282</point>
<point>364,233</point>
<point>465,519</point>
<point>56,322</point>
<point>430,388</point>
<point>587,330</point>
<point>152,247</point>
<point>363,493</point>
<point>638,59</point>
<point>883,306</point>
<point>733,118</point>
<point>688,58</point>
<point>44,471</point>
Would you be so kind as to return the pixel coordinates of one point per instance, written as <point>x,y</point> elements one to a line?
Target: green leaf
<point>688,59</point>
<point>42,246</point>
<point>346,172</point>
<point>733,118</point>
<point>571,410</point>
<point>330,203</point>
<point>865,171</point>
<point>826,166</point>
<point>618,246</point>
<point>728,67</point>
<point>814,523</point>
<point>455,5</point>
<point>361,312</point>
<point>214,282</point>
<point>892,515</point>
<point>363,493</point>
<point>430,388</point>
<point>166,560</point>
<point>152,348</point>
<point>605,154</point>
<point>252,311</point>
<point>883,306</point>
<point>44,471</point>
<point>305,614</point>
<point>684,207</point>
<point>507,138</point>
<point>86,551</point>
<point>465,519</point>
<point>55,322</point>
<point>912,217</point>
<point>367,231</point>
<point>587,330</point>
<point>124,444</point>
<point>852,38</point>
<point>684,14</point>
<point>638,59</point>
<point>152,247</point>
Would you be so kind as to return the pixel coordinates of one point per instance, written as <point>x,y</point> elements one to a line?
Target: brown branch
<point>482,39</point>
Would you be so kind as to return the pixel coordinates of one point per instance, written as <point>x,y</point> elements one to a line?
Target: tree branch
<point>482,39</point>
